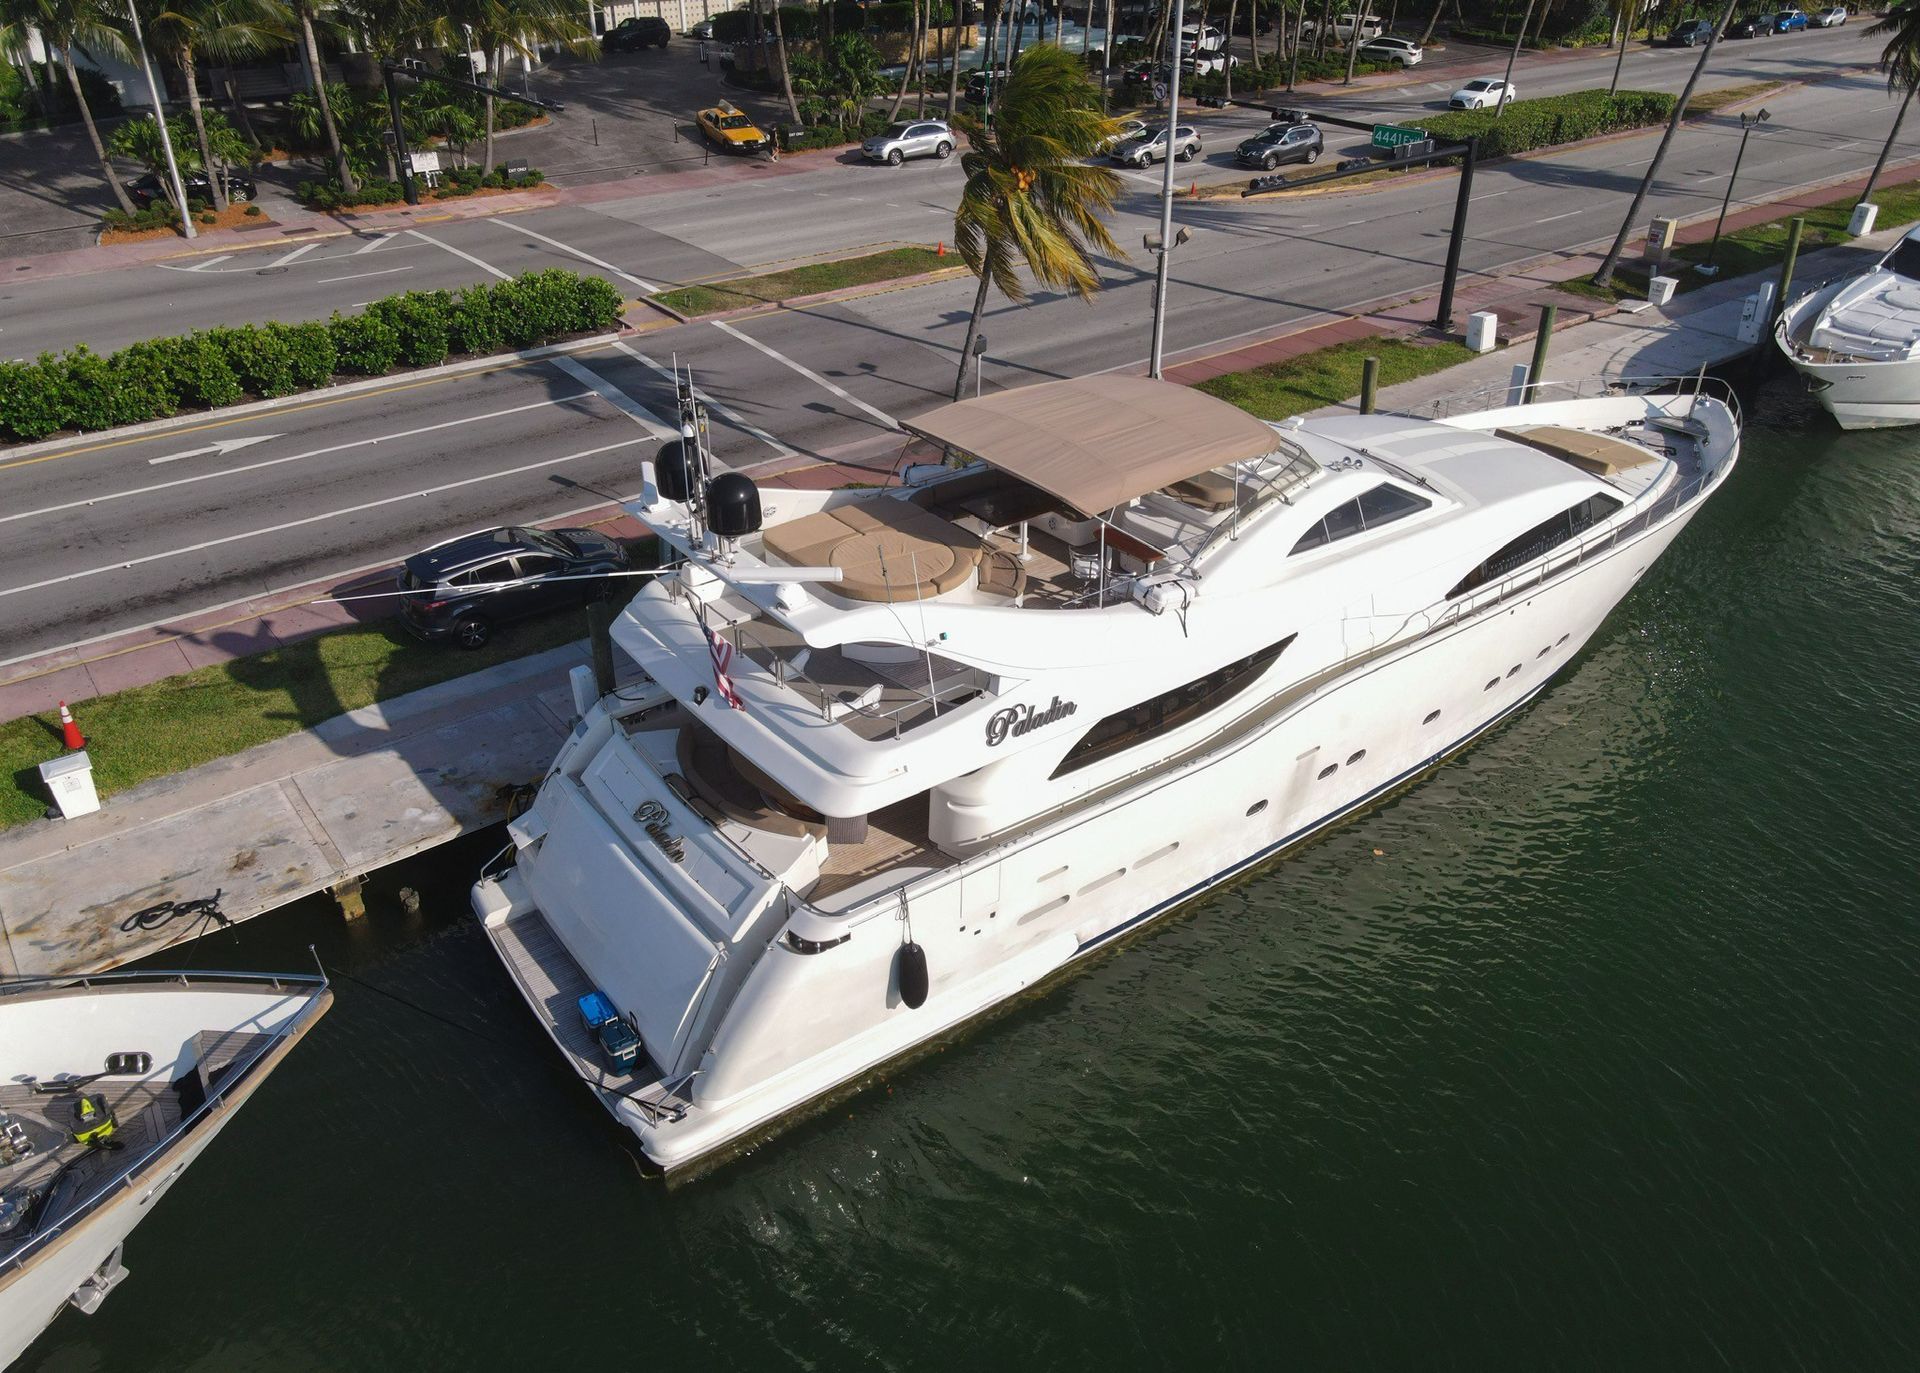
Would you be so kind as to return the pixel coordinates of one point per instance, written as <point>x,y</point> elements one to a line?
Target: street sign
<point>1393,135</point>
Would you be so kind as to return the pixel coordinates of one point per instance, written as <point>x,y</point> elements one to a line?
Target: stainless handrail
<point>27,982</point>
<point>1582,388</point>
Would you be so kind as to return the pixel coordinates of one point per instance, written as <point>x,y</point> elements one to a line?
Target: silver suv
<point>909,138</point>
<point>1143,150</point>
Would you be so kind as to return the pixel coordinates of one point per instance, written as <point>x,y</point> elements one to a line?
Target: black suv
<point>1279,143</point>
<point>631,35</point>
<point>1691,33</point>
<point>460,589</point>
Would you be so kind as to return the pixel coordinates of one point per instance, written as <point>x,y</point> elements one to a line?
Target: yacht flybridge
<point>112,1085</point>
<point>901,753</point>
<point>1857,342</point>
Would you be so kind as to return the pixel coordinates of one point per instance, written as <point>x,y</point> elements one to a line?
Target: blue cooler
<point>595,1011</point>
<point>621,1046</point>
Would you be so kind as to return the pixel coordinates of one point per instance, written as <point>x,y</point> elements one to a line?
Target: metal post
<point>1443,319</point>
<point>1369,383</point>
<point>1747,126</point>
<point>401,157</point>
<point>1795,227</point>
<point>979,362</point>
<point>600,638</point>
<point>1539,367</point>
<point>1166,193</point>
<point>160,118</point>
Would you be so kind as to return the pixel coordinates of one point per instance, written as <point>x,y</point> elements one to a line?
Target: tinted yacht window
<point>1382,505</point>
<point>1169,710</point>
<point>1537,542</point>
<point>1905,259</point>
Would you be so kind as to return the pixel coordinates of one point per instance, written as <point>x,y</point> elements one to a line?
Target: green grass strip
<point>773,287</point>
<point>1328,376</point>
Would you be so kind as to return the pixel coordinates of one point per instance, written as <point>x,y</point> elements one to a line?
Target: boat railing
<point>21,984</point>
<point>1496,395</point>
<point>834,704</point>
<point>241,1071</point>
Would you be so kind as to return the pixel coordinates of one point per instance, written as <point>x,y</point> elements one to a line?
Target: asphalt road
<point>104,535</point>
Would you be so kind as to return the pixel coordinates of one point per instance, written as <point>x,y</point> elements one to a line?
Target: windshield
<point>733,121</point>
<point>898,130</point>
<point>551,542</point>
<point>1479,85</point>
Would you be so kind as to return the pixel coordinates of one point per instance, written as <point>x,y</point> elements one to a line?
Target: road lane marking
<point>299,252</point>
<point>275,462</point>
<point>355,276</point>
<point>205,544</point>
<point>1492,195</point>
<point>724,412</point>
<point>627,277</point>
<point>806,372</point>
<point>457,252</point>
<point>202,266</point>
<point>617,398</point>
<point>379,242</point>
<point>1550,218</point>
<point>220,446</point>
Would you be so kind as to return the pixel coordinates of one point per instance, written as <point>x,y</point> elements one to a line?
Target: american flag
<point>722,653</point>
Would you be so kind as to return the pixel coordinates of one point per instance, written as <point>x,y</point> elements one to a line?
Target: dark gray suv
<point>1278,143</point>
<point>459,590</point>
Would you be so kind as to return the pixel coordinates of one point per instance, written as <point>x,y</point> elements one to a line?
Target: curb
<point>867,288</point>
<point>351,388</point>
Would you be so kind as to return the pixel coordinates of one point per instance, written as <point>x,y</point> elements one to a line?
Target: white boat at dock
<point>1857,342</point>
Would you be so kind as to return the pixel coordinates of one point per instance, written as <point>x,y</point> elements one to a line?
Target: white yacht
<point>109,1087</point>
<point>900,754</point>
<point>1857,342</point>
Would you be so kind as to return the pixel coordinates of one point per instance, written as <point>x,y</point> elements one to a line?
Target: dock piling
<point>1369,384</point>
<point>1548,313</point>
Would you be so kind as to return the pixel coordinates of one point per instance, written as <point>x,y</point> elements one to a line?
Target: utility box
<point>1756,313</point>
<point>1660,237</point>
<point>1660,290</point>
<point>1483,328</point>
<point>69,780</point>
<point>1863,216</point>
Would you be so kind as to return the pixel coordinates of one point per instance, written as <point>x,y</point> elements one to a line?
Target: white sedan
<point>1831,17</point>
<point>1207,63</point>
<point>1402,50</point>
<point>1482,93</point>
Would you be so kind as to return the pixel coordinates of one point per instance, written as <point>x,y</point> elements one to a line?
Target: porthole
<point>1432,715</point>
<point>1491,684</point>
<point>1515,668</point>
<point>1356,757</point>
<point>1544,652</point>
<point>1562,639</point>
<point>1328,771</point>
<point>1256,807</point>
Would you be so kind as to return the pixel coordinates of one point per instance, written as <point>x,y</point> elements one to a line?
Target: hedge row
<point>84,391</point>
<point>459,181</point>
<point>1551,120</point>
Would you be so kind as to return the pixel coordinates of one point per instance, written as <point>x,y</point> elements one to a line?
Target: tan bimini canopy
<point>1097,442</point>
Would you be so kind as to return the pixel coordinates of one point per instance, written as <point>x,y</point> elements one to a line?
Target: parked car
<point>144,190</point>
<point>1207,63</point>
<point>1832,17</point>
<point>1482,93</point>
<point>732,130</point>
<point>1389,49</point>
<point>1151,147</point>
<point>1195,38</point>
<point>631,35</point>
<point>703,29</point>
<point>1690,34</point>
<point>1757,27</point>
<point>1343,27</point>
<point>459,590</point>
<point>977,85</point>
<point>909,138</point>
<point>1129,128</point>
<point>1282,142</point>
<point>1786,21</point>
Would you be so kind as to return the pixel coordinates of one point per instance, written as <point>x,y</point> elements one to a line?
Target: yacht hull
<point>80,1264</point>
<point>1007,919</point>
<point>1859,392</point>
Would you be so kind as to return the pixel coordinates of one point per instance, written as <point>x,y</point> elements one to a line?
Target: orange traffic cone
<point>1193,190</point>
<point>940,249</point>
<point>70,734</point>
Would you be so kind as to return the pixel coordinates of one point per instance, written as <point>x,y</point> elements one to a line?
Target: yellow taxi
<point>732,130</point>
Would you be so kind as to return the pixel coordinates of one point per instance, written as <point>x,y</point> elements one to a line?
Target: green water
<point>1597,1049</point>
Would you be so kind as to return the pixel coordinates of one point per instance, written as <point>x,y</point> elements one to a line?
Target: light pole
<point>1167,242</point>
<point>160,118</point>
<point>979,362</point>
<point>1748,123</point>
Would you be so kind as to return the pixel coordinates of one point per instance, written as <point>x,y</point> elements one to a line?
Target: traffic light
<point>1267,183</point>
<point>1213,102</point>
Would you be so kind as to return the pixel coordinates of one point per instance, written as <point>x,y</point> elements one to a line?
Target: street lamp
<point>1748,123</point>
<point>1166,191</point>
<point>979,362</point>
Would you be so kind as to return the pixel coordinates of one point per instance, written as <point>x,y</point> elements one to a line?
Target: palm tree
<point>780,53</point>
<point>1604,277</point>
<point>1900,60</point>
<point>1029,199</point>
<point>913,56</point>
<point>503,28</point>
<point>184,30</point>
<point>64,25</point>
<point>953,61</point>
<point>304,11</point>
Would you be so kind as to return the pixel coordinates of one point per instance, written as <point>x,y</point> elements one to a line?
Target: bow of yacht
<point>900,754</point>
<point>1857,341</point>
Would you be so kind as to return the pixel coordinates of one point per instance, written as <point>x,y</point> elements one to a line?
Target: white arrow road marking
<point>275,462</point>
<point>725,413</point>
<point>806,372</point>
<point>317,519</point>
<point>220,446</point>
<point>628,277</point>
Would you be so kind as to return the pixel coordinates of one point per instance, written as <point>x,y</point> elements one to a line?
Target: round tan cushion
<point>881,565</point>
